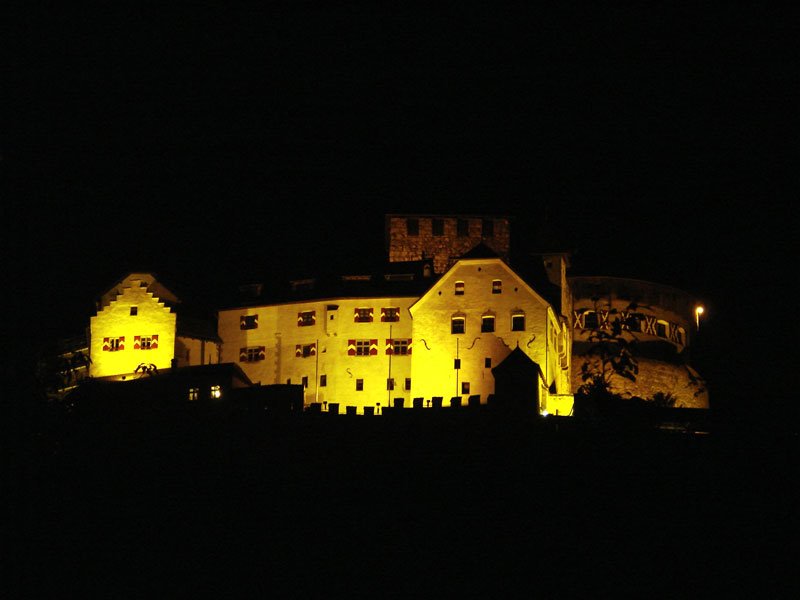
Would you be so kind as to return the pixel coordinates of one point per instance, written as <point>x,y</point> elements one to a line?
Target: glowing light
<point>216,392</point>
<point>699,310</point>
<point>545,413</point>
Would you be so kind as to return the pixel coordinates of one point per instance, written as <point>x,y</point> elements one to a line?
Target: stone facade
<point>444,238</point>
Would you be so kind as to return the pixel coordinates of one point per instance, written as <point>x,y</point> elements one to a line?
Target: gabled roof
<point>518,362</point>
<point>490,260</point>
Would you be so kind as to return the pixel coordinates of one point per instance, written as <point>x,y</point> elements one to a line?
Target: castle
<point>445,320</point>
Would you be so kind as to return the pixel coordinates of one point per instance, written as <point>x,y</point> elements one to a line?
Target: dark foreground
<point>312,506</point>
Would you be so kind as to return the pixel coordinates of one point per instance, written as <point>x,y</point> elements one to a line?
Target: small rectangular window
<point>407,385</point>
<point>400,346</point>
<point>438,227</point>
<point>465,387</point>
<point>412,226</point>
<point>304,381</point>
<point>248,322</point>
<point>363,315</point>
<point>517,322</point>
<point>306,318</point>
<point>323,380</point>
<point>362,347</point>
<point>359,385</point>
<point>134,311</point>
<point>457,325</point>
<point>390,383</point>
<point>459,290</point>
<point>487,324</point>
<point>390,314</point>
<point>487,363</point>
<point>113,344</point>
<point>216,392</point>
<point>497,286</point>
<point>194,393</point>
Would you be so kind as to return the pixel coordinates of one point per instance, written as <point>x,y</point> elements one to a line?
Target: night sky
<point>216,144</point>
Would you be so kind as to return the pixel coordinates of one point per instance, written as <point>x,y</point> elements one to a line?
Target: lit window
<point>113,344</point>
<point>465,387</point>
<point>194,393</point>
<point>145,342</point>
<point>487,324</point>
<point>401,346</point>
<point>407,385</point>
<point>457,325</point>
<point>518,322</point>
<point>459,288</point>
<point>462,227</point>
<point>216,391</point>
<point>323,380</point>
<point>248,322</point>
<point>306,318</point>
<point>412,226</point>
<point>363,315</point>
<point>497,286</point>
<point>390,383</point>
<point>438,227</point>
<point>390,315</point>
<point>134,311</point>
<point>487,229</point>
<point>362,347</point>
<point>252,354</point>
<point>359,385</point>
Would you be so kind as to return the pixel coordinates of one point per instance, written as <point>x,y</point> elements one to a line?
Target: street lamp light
<point>699,310</point>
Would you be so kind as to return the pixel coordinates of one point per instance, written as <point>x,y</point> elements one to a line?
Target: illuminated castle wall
<point>450,311</point>
<point>661,320</point>
<point>136,324</point>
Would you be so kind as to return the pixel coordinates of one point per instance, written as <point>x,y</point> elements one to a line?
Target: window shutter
<point>373,347</point>
<point>578,319</point>
<point>154,343</point>
<point>136,344</point>
<point>351,347</point>
<point>298,350</point>
<point>105,344</point>
<point>122,342</point>
<point>389,345</point>
<point>409,346</point>
<point>242,354</point>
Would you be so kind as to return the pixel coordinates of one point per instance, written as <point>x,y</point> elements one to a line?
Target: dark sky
<point>212,142</point>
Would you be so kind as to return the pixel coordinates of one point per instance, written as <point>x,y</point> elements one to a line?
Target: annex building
<point>444,321</point>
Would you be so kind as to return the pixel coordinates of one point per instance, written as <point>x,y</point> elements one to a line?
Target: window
<point>390,383</point>
<point>412,226</point>
<point>145,342</point>
<point>134,311</point>
<point>362,347</point>
<point>306,318</point>
<point>252,353</point>
<point>462,228</point>
<point>465,387</point>
<point>248,322</point>
<point>305,350</point>
<point>590,320</point>
<point>457,325</point>
<point>216,391</point>
<point>487,228</point>
<point>487,363</point>
<point>304,381</point>
<point>438,227</point>
<point>113,344</point>
<point>497,286</point>
<point>323,380</point>
<point>359,385</point>
<point>487,323</point>
<point>194,393</point>
<point>407,386</point>
<point>518,322</point>
<point>363,315</point>
<point>400,346</point>
<point>459,288</point>
<point>661,328</point>
<point>390,315</point>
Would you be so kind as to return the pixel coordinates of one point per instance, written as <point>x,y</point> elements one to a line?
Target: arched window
<point>458,324</point>
<point>518,321</point>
